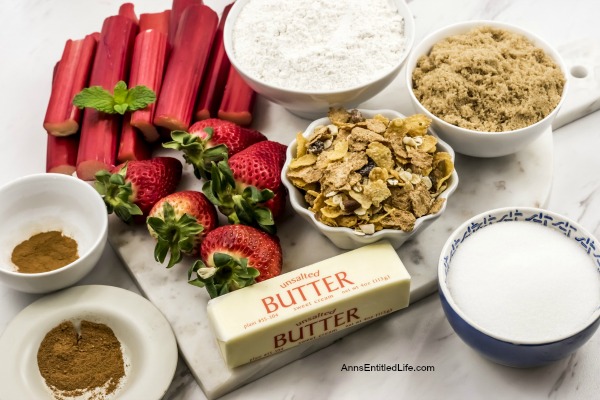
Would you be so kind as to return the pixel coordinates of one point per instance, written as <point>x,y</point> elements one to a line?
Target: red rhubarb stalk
<point>158,21</point>
<point>185,68</point>
<point>54,71</point>
<point>238,100</point>
<point>127,10</point>
<point>177,10</point>
<point>61,154</point>
<point>133,146</point>
<point>147,66</point>
<point>99,131</point>
<point>72,75</point>
<point>213,83</point>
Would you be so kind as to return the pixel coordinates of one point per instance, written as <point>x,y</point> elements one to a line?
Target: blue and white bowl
<point>499,348</point>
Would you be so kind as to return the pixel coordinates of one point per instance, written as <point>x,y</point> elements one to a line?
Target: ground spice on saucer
<point>44,252</point>
<point>74,363</point>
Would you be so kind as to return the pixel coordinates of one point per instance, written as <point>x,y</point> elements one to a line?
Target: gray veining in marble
<point>32,39</point>
<point>520,179</point>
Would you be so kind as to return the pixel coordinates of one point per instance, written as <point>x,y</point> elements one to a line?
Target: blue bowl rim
<point>443,288</point>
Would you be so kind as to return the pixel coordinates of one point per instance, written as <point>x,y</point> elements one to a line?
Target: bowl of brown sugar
<point>490,88</point>
<point>53,231</point>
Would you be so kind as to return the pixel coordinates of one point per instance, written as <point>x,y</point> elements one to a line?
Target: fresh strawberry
<point>277,204</point>
<point>132,188</point>
<point>235,137</point>
<point>259,165</point>
<point>178,222</point>
<point>236,256</point>
<point>212,140</point>
<point>243,185</point>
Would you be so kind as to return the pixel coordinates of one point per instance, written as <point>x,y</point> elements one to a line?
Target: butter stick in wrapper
<point>310,302</point>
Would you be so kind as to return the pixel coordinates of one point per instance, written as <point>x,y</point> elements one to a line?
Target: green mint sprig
<point>120,101</point>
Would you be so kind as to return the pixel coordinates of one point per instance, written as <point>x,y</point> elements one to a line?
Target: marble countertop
<point>32,35</point>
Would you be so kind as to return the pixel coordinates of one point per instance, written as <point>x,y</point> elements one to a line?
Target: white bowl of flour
<point>309,55</point>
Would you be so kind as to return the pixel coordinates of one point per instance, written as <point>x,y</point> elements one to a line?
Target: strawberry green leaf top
<point>116,193</point>
<point>130,190</point>
<point>197,152</point>
<point>120,101</point>
<point>235,256</point>
<point>175,234</point>
<point>239,208</point>
<point>229,274</point>
<point>212,140</point>
<point>247,187</point>
<point>178,222</point>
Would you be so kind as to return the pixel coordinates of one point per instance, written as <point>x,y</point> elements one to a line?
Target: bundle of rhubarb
<point>116,92</point>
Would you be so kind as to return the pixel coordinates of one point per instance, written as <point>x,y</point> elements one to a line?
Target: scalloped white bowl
<point>343,237</point>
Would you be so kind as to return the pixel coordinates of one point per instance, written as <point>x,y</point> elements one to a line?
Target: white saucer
<point>147,340</point>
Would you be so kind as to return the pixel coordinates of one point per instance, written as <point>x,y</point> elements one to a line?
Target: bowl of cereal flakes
<point>360,176</point>
<point>490,88</point>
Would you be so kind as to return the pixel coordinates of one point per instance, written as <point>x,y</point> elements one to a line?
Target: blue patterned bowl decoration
<point>501,349</point>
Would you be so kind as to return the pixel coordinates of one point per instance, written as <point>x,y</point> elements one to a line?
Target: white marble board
<point>520,179</point>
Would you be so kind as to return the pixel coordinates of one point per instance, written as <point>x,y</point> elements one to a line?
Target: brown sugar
<point>488,80</point>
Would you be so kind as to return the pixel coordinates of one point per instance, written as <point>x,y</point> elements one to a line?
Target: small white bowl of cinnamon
<point>54,229</point>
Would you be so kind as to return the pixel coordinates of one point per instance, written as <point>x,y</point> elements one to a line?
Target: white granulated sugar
<point>318,45</point>
<point>524,281</point>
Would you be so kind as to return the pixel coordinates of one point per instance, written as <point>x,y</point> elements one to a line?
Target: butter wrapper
<point>310,302</point>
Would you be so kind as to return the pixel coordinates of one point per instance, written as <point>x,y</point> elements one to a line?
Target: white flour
<point>318,45</point>
<point>524,281</point>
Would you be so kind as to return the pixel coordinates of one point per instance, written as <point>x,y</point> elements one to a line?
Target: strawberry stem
<point>175,235</point>
<point>228,274</point>
<point>196,151</point>
<point>240,208</point>
<point>117,194</point>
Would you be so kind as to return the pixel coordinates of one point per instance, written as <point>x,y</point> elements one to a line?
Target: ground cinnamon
<point>44,252</point>
<point>74,363</point>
